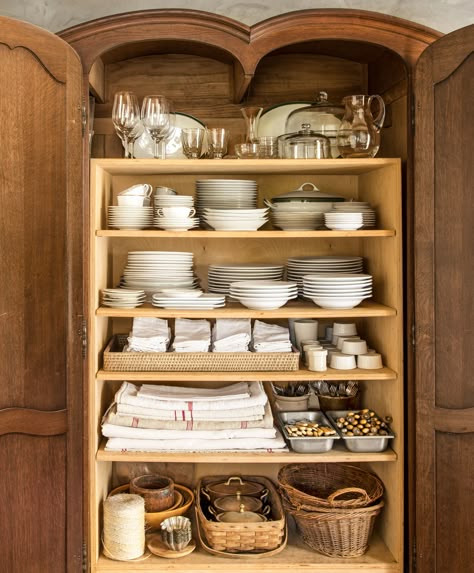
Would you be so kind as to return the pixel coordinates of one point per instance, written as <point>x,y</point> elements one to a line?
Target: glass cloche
<point>322,116</point>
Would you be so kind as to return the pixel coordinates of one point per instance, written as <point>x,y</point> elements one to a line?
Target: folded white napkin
<point>231,392</point>
<point>128,394</point>
<point>270,338</point>
<point>148,335</point>
<point>191,335</point>
<point>196,445</point>
<point>231,335</point>
<point>238,414</point>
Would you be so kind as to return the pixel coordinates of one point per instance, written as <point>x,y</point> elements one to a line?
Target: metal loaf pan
<point>304,445</point>
<point>359,443</point>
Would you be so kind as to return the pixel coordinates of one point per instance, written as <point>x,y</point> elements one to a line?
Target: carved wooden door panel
<point>41,302</point>
<point>444,303</point>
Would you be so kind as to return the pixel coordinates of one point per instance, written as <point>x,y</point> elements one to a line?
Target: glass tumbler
<point>218,138</point>
<point>192,140</point>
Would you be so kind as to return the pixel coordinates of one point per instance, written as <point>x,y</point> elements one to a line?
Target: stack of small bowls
<point>263,295</point>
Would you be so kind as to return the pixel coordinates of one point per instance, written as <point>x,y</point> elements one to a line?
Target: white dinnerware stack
<point>297,267</point>
<point>263,295</point>
<point>152,271</point>
<point>174,212</point>
<point>297,215</point>
<point>234,219</point>
<point>129,217</point>
<point>120,298</point>
<point>342,221</point>
<point>368,214</point>
<point>179,300</point>
<point>225,194</point>
<point>337,290</point>
<point>219,277</point>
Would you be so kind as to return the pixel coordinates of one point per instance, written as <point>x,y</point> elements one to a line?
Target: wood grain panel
<point>33,493</point>
<point>443,305</point>
<point>34,422</point>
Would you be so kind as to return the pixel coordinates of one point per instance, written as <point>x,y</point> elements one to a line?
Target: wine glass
<point>125,116</point>
<point>134,135</point>
<point>156,119</point>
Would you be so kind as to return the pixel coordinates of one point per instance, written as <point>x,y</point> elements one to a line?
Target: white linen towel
<point>113,431</point>
<point>270,337</point>
<point>231,335</point>
<point>128,394</point>
<point>148,334</point>
<point>231,392</point>
<point>240,414</point>
<point>191,335</point>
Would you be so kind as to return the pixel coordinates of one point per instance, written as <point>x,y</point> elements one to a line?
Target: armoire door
<point>444,304</point>
<point>41,302</point>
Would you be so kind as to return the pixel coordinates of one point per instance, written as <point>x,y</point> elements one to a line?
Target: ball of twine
<point>124,527</point>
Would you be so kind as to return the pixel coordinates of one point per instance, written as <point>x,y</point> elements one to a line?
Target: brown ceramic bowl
<point>156,490</point>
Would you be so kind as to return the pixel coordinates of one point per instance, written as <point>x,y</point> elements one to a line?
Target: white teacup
<point>180,212</point>
<point>161,190</point>
<point>141,189</point>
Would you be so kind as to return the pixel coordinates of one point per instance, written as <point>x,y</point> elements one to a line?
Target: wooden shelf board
<point>338,454</point>
<point>303,374</point>
<point>295,557</point>
<point>264,234</point>
<point>248,166</point>
<point>293,309</point>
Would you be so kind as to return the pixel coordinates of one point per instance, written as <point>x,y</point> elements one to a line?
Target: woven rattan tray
<point>235,538</point>
<point>117,361</point>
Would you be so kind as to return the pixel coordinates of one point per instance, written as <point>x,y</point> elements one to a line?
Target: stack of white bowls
<point>263,295</point>
<point>235,219</point>
<point>342,221</point>
<point>219,277</point>
<point>297,216</point>
<point>337,290</point>
<point>368,213</point>
<point>297,267</point>
<point>225,194</point>
<point>120,298</point>
<point>187,299</point>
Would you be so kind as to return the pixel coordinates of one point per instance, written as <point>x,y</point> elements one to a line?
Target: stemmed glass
<point>125,116</point>
<point>156,119</point>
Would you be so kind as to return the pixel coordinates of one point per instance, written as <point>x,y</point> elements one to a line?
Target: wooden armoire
<point>54,473</point>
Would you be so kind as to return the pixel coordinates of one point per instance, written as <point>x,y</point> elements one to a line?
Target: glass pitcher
<point>359,132</point>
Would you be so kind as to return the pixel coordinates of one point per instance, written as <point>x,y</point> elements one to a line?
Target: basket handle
<point>363,494</point>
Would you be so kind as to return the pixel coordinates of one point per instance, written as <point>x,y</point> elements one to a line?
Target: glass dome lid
<point>322,116</point>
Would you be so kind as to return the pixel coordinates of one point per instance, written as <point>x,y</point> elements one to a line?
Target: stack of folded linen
<point>270,338</point>
<point>231,335</point>
<point>191,335</point>
<point>148,335</point>
<point>167,418</point>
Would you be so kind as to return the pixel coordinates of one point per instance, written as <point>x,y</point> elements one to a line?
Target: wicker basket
<point>117,361</point>
<point>266,536</point>
<point>337,532</point>
<point>314,486</point>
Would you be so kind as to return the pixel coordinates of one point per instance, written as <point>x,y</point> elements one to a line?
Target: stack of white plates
<point>221,276</point>
<point>299,266</point>
<point>129,217</point>
<point>342,221</point>
<point>235,219</point>
<point>263,295</point>
<point>117,297</point>
<point>174,212</point>
<point>160,201</point>
<point>368,214</point>
<point>337,290</point>
<point>204,301</point>
<point>152,271</point>
<point>297,220</point>
<point>225,194</point>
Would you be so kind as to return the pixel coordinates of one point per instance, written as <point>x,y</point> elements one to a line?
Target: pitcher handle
<point>378,121</point>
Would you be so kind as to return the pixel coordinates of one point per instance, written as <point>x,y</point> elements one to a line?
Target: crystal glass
<point>218,138</point>
<point>192,139</point>
<point>156,120</point>
<point>125,116</point>
<point>132,138</point>
<point>251,115</point>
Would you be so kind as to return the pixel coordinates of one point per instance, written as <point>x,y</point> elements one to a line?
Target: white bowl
<point>337,303</point>
<point>371,361</point>
<point>263,303</point>
<point>341,361</point>
<point>352,346</point>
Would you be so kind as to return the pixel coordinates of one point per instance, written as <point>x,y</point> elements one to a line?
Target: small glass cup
<point>247,150</point>
<point>267,147</point>
<point>218,138</point>
<point>192,140</point>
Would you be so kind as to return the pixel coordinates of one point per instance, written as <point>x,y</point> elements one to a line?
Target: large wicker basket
<point>234,538</point>
<point>311,487</point>
<point>336,532</point>
<point>117,361</point>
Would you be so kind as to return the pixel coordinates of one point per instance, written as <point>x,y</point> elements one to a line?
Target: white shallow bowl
<point>180,293</point>
<point>264,303</point>
<point>337,303</point>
